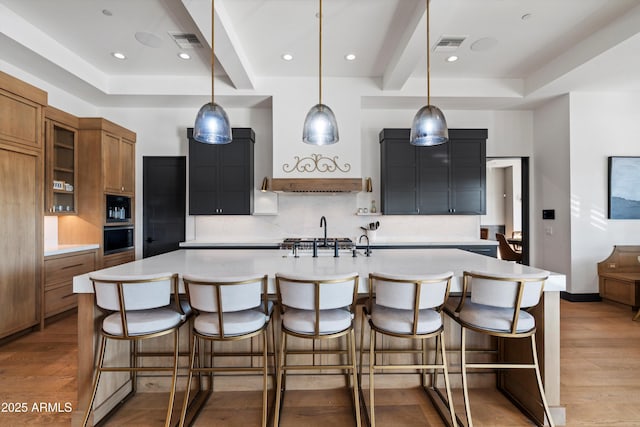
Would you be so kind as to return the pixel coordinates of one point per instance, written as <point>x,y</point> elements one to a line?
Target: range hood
<point>316,185</point>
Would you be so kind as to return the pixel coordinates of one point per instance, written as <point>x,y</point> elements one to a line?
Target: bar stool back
<point>316,307</point>
<point>138,307</point>
<point>498,307</point>
<point>406,307</point>
<point>228,309</point>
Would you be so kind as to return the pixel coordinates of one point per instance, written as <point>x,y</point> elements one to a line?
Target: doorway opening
<point>508,203</point>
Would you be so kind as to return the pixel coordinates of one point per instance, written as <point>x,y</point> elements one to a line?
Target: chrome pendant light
<point>320,126</point>
<point>212,123</point>
<point>429,126</point>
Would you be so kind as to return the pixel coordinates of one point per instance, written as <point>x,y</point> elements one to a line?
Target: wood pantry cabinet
<point>21,203</point>
<point>58,280</point>
<point>106,153</point>
<point>221,176</point>
<point>447,179</point>
<point>61,137</point>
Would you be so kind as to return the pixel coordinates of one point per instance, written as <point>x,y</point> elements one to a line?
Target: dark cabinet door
<point>468,174</point>
<point>221,176</point>
<point>398,191</point>
<point>433,179</point>
<point>440,180</point>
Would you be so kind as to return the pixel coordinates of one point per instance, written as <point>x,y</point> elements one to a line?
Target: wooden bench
<point>619,277</point>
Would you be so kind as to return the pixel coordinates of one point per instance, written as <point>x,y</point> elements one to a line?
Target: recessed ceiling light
<point>107,12</point>
<point>350,57</point>
<point>287,56</point>
<point>526,16</point>
<point>184,55</point>
<point>452,58</point>
<point>119,55</point>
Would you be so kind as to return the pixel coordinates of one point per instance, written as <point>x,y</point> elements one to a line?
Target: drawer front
<point>119,258</point>
<point>62,269</point>
<point>59,298</point>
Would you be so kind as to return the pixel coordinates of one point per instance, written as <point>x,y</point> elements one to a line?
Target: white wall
<point>602,125</point>
<point>551,239</point>
<point>160,132</point>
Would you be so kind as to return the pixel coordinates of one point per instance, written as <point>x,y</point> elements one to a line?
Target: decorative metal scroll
<point>316,163</point>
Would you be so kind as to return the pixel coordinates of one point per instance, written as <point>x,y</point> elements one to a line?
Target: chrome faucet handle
<point>315,248</point>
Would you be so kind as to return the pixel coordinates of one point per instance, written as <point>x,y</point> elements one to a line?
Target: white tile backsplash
<point>299,216</point>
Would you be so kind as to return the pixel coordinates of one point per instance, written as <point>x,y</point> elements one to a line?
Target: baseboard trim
<point>580,297</point>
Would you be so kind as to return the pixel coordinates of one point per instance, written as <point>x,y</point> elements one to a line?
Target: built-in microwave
<point>118,209</point>
<point>117,239</point>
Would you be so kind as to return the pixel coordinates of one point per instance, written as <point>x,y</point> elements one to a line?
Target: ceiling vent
<point>449,43</point>
<point>185,40</point>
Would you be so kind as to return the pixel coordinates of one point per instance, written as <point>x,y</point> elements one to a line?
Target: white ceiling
<point>564,45</point>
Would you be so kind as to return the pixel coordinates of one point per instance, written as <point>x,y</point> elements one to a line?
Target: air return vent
<point>449,43</point>
<point>185,40</point>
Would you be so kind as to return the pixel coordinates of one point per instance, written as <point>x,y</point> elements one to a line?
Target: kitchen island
<point>215,262</point>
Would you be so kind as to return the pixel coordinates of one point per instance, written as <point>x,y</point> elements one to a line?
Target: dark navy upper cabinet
<point>221,176</point>
<point>447,179</point>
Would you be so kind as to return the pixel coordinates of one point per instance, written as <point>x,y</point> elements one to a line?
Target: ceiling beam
<point>407,52</point>
<point>228,49</point>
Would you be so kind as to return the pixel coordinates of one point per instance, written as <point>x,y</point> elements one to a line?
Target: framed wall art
<point>624,188</point>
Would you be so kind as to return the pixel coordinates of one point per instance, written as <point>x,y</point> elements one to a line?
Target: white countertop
<point>213,262</point>
<point>378,242</point>
<point>64,249</point>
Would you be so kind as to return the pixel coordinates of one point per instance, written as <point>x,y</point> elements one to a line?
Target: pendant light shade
<point>212,123</point>
<point>429,126</point>
<point>320,125</point>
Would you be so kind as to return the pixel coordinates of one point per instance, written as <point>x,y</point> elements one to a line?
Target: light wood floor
<point>600,359</point>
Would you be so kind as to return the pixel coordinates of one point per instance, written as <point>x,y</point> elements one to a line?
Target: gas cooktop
<point>307,242</point>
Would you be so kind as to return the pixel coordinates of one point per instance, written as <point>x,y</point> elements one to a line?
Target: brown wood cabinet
<point>107,166</point>
<point>118,164</point>
<point>61,140</point>
<point>21,203</point>
<point>118,258</point>
<point>58,280</point>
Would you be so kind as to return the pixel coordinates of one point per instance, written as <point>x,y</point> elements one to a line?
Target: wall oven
<point>117,239</point>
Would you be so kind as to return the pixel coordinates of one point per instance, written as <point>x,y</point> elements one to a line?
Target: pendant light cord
<point>428,59</point>
<point>212,48</point>
<point>320,56</point>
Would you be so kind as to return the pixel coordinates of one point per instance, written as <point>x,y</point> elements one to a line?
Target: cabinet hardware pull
<point>71,266</point>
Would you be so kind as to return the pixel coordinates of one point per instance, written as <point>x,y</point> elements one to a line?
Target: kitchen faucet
<point>368,251</point>
<point>323,221</point>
